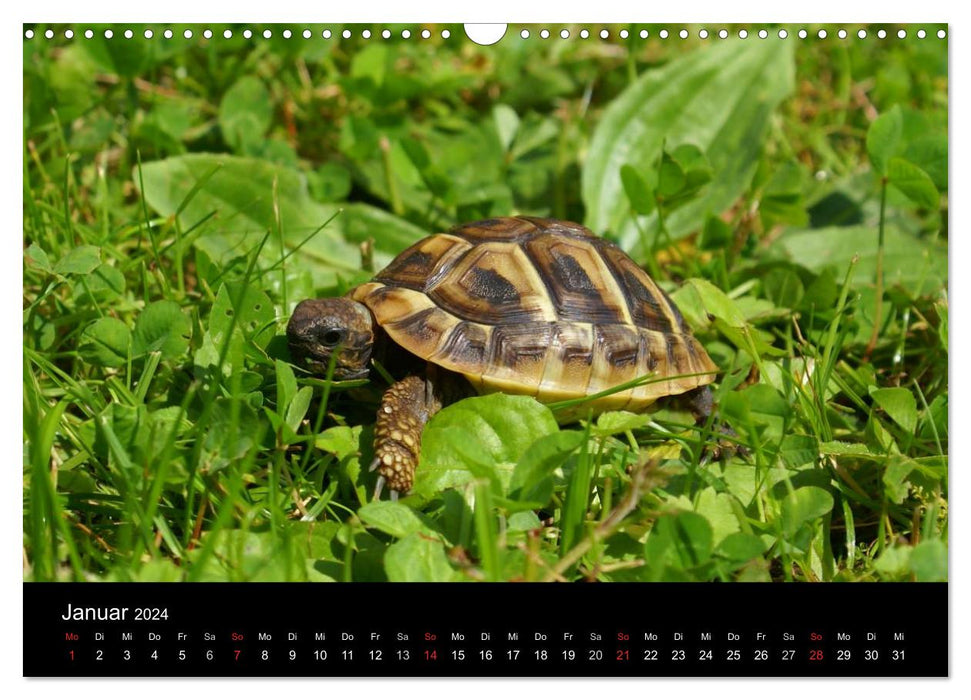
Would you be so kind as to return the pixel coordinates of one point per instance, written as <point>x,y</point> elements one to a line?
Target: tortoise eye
<point>331,337</point>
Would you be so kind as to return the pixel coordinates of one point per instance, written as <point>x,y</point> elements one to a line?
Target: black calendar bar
<point>617,629</point>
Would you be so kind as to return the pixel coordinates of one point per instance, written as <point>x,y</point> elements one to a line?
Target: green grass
<point>180,197</point>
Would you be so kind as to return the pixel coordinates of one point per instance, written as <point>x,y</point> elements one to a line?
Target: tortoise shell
<point>537,307</point>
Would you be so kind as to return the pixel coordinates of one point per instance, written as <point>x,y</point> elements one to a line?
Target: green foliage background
<point>182,195</point>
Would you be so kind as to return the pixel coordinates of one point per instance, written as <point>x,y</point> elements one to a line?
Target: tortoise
<point>521,305</point>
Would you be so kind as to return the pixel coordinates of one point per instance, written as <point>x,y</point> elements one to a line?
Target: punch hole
<point>584,34</point>
<point>386,34</point>
<point>425,34</point>
<point>921,33</point>
<point>168,33</point>
<point>763,34</point>
<point>129,33</point>
<point>287,34</point>
<point>564,33</point>
<point>446,34</point>
<point>663,34</point>
<point>49,33</point>
<point>88,34</point>
<point>683,34</point>
<point>29,34</point>
<point>643,34</point>
<point>803,33</point>
<point>366,34</point>
<point>604,34</point>
<point>327,34</point>
<point>941,34</point>
<point>69,34</point>
<point>624,34</point>
<point>406,34</point>
<point>743,34</point>
<point>207,34</point>
<point>486,34</point>
<point>148,33</point>
<point>346,33</point>
<point>544,34</point>
<point>227,34</point>
<point>703,34</point>
<point>841,33</point>
<point>882,33</point>
<point>524,34</point>
<point>307,34</point>
<point>722,33</point>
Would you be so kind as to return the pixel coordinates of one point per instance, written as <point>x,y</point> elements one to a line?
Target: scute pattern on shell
<point>537,307</point>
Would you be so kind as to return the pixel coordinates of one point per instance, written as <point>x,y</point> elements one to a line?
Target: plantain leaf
<point>718,99</point>
<point>235,197</point>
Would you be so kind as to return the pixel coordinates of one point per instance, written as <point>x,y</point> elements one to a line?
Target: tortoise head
<point>319,328</point>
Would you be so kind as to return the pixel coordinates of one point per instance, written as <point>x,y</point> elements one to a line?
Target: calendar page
<point>423,328</point>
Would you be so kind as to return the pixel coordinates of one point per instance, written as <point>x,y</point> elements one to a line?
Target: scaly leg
<point>405,408</point>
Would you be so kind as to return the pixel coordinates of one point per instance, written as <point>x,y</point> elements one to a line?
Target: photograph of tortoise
<point>520,305</point>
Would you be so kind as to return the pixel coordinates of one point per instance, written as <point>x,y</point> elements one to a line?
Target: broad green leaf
<point>638,190</point>
<point>247,555</point>
<point>895,483</point>
<point>715,235</point>
<point>883,138</point>
<point>496,430</point>
<point>894,561</point>
<point>417,558</point>
<point>671,178</point>
<point>249,309</point>
<point>162,327</point>
<point>298,407</point>
<point>929,152</point>
<point>79,261</point>
<point>331,182</point>
<point>928,561</point>
<point>613,422</point>
<point>797,450</point>
<point>36,258</point>
<point>740,547</point>
<point>913,135</point>
<point>899,404</point>
<point>524,520</point>
<point>106,342</point>
<point>507,124</point>
<point>532,482</point>
<point>395,519</point>
<point>919,265</point>
<point>104,283</point>
<point>239,192</point>
<point>803,505</point>
<point>245,113</point>
<point>913,182</point>
<point>719,98</point>
<point>717,303</point>
<point>718,511</point>
<point>683,539</point>
<point>340,440</point>
<point>286,384</point>
<point>371,63</point>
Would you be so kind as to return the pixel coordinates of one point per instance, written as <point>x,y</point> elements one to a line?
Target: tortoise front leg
<point>405,408</point>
